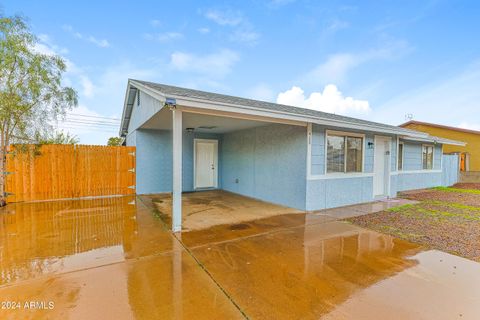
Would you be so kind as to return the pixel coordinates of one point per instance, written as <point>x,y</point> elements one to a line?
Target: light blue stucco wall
<point>412,161</point>
<point>267,163</point>
<point>131,139</point>
<point>331,193</point>
<point>148,107</point>
<point>412,156</point>
<point>318,148</point>
<point>324,192</point>
<point>412,181</point>
<point>327,192</point>
<point>154,159</point>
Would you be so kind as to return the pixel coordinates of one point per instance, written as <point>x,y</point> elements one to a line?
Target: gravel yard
<point>447,219</point>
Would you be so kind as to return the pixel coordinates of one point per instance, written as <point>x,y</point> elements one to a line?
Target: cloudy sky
<point>377,60</point>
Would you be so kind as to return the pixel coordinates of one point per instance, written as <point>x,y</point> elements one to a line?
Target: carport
<point>245,166</point>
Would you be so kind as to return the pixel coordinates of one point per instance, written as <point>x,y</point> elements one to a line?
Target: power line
<point>94,120</point>
<point>92,123</point>
<point>87,129</point>
<point>90,116</point>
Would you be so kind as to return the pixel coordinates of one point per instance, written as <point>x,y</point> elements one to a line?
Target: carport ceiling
<point>201,122</point>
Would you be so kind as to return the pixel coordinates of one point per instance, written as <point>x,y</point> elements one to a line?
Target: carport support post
<point>177,171</point>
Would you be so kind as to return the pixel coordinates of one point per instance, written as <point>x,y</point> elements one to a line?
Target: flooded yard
<point>113,258</point>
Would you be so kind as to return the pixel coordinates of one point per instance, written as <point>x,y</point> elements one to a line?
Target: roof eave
<point>191,102</point>
<point>431,139</point>
<point>202,103</point>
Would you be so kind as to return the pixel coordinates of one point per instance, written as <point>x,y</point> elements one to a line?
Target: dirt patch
<point>439,222</point>
<point>446,194</point>
<point>472,186</point>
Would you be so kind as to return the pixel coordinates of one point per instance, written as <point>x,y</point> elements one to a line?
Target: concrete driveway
<point>112,259</point>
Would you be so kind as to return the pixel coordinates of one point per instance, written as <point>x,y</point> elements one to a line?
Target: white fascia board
<point>435,140</point>
<point>228,107</point>
<point>152,92</point>
<point>124,109</point>
<point>213,105</point>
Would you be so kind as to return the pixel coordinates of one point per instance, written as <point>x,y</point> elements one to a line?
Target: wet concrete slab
<point>113,259</point>
<point>61,236</point>
<point>205,209</point>
<point>228,232</point>
<point>166,286</point>
<point>331,269</point>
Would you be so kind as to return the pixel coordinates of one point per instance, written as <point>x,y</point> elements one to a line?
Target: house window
<point>400,156</point>
<point>138,98</point>
<point>427,157</point>
<point>344,153</point>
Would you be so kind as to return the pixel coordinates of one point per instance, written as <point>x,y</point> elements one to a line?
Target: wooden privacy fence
<point>69,171</point>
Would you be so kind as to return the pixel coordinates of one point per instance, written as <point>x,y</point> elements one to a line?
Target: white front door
<point>381,167</point>
<point>206,158</point>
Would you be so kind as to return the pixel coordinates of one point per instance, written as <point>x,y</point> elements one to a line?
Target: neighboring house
<point>188,140</point>
<point>469,154</point>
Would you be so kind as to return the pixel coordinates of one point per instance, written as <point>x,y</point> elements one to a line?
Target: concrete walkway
<point>112,259</point>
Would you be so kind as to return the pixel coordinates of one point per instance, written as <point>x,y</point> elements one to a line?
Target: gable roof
<point>274,109</point>
<point>439,126</point>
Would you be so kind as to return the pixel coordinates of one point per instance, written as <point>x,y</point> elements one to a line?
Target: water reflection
<point>48,237</point>
<point>304,272</point>
<point>291,266</point>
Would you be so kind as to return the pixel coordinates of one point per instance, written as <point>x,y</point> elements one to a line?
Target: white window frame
<point>344,134</point>
<point>403,155</point>
<point>433,156</point>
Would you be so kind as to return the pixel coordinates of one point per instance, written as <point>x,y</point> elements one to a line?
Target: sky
<point>386,61</point>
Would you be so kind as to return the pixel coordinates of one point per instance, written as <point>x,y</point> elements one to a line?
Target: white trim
<point>200,103</point>
<point>336,175</point>
<point>244,116</point>
<point>394,173</point>
<point>309,150</point>
<point>215,178</point>
<point>177,170</point>
<point>154,93</point>
<point>387,181</point>
<point>343,134</point>
<point>432,139</point>
<point>223,106</point>
<point>441,158</point>
<point>433,154</point>
<point>271,113</point>
<point>403,153</point>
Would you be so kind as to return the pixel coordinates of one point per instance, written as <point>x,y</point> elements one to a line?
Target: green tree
<point>31,92</point>
<point>114,141</point>
<point>57,137</point>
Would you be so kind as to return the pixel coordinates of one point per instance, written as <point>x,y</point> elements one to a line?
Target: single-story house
<point>189,140</point>
<point>469,153</point>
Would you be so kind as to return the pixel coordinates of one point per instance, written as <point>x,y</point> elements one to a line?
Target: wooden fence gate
<point>69,171</point>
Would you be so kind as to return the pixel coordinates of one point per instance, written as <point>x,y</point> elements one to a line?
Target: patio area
<point>205,209</point>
